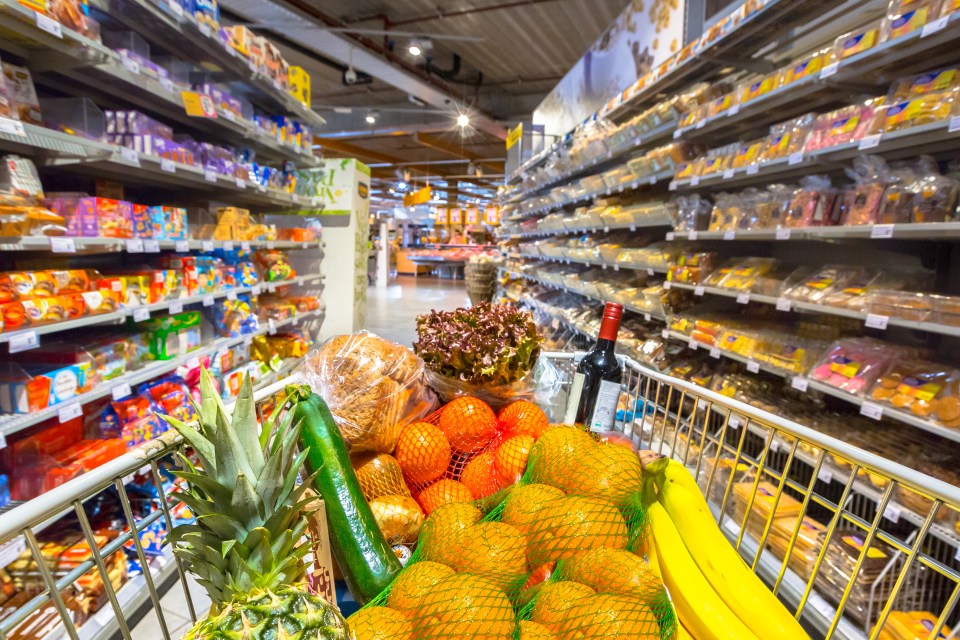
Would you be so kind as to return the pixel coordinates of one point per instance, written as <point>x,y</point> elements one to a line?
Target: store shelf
<point>116,245</point>
<point>638,223</point>
<point>906,231</point>
<point>932,138</point>
<point>117,317</point>
<point>13,423</point>
<point>644,181</point>
<point>794,305</point>
<point>916,51</point>
<point>164,24</point>
<point>648,315</point>
<point>597,263</point>
<point>104,160</point>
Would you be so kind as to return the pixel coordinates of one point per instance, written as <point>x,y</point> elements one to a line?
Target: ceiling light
<point>463,120</point>
<point>402,186</point>
<point>415,49</point>
<point>371,118</point>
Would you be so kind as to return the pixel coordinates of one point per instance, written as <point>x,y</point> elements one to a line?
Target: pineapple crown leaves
<point>250,512</point>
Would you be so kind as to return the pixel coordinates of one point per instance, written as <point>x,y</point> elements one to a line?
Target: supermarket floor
<point>175,613</point>
<point>392,312</point>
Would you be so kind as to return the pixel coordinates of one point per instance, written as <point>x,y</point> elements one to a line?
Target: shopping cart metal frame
<point>667,407</point>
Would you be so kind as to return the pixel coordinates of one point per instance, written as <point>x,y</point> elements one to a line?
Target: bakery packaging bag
<point>374,388</point>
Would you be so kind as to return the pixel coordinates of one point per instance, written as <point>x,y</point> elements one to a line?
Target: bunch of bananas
<point>716,595</point>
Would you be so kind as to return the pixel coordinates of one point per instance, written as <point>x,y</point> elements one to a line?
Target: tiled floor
<point>391,313</point>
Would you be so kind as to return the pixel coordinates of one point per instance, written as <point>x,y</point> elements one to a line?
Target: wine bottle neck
<point>603,344</point>
<point>609,327</point>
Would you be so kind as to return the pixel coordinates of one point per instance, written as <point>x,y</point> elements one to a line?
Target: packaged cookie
<point>906,305</point>
<point>858,41</point>
<point>812,205</point>
<point>927,389</point>
<point>810,284</point>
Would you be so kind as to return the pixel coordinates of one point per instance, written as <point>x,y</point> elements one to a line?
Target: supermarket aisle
<point>175,613</point>
<point>392,312</point>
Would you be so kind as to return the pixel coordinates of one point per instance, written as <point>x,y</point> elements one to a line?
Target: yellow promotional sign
<point>198,105</point>
<point>456,216</point>
<point>441,216</point>
<point>514,135</point>
<point>473,216</point>
<point>491,216</point>
<point>421,196</point>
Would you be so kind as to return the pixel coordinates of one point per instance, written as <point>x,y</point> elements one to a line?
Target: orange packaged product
<point>748,153</point>
<point>71,280</point>
<point>806,67</point>
<point>926,389</point>
<point>14,316</point>
<point>751,90</point>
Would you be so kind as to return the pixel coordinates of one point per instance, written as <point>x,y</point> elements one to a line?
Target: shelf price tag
<point>881,231</point>
<point>130,64</point>
<point>799,383</point>
<point>231,295</point>
<point>208,301</point>
<point>48,24</point>
<point>650,272</point>
<point>677,133</point>
<point>871,410</point>
<point>182,246</point>
<point>647,317</point>
<point>876,321</point>
<point>954,125</point>
<point>933,27</point>
<point>9,125</point>
<point>130,155</point>
<point>255,290</point>
<point>728,173</point>
<point>753,366</point>
<point>207,245</point>
<point>167,165</point>
<point>24,341</point>
<point>245,246</point>
<point>271,326</point>
<point>784,304</point>
<point>141,314</point>
<point>248,339</point>
<point>795,158</point>
<point>210,175</point>
<point>121,391</point>
<point>670,236</point>
<point>151,246</point>
<point>667,284</point>
<point>869,142</point>
<point>228,246</point>
<point>135,245</point>
<point>715,353</point>
<point>783,233</point>
<point>753,169</point>
<point>692,234</point>
<point>167,84</point>
<point>729,235</point>
<point>241,183</point>
<point>633,227</point>
<point>204,29</point>
<point>826,475</point>
<point>829,70</point>
<point>692,344</point>
<point>699,290</point>
<point>69,412</point>
<point>673,185</point>
<point>695,181</point>
<point>665,334</point>
<point>743,298</point>
<point>62,245</point>
<point>734,422</point>
<point>892,512</point>
<point>11,550</point>
<point>176,8</point>
<point>175,308</point>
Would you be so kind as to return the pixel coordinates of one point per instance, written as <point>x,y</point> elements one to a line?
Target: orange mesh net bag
<point>558,557</point>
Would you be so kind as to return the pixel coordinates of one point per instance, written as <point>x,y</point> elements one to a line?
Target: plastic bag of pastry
<point>913,112</point>
<point>811,205</point>
<point>930,82</point>
<point>904,17</point>
<point>926,389</point>
<point>807,66</point>
<point>858,41</point>
<point>853,364</point>
<point>813,284</point>
<point>934,196</point>
<point>374,388</point>
<point>726,213</point>
<point>870,175</point>
<point>898,198</point>
<point>19,182</point>
<point>843,125</point>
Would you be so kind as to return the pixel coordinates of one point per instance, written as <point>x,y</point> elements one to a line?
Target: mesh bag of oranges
<point>373,387</point>
<point>560,557</point>
<point>465,451</point>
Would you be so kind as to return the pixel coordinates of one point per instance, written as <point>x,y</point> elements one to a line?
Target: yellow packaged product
<point>856,41</point>
<point>924,109</point>
<point>911,625</point>
<point>753,89</point>
<point>908,17</point>
<point>808,66</point>
<point>939,81</point>
<point>747,153</point>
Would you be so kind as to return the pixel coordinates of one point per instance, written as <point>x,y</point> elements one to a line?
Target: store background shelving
<point>538,189</point>
<point>63,62</point>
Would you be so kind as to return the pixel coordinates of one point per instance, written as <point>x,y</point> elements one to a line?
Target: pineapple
<point>245,548</point>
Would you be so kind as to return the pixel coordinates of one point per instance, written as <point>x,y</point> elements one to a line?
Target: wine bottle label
<point>605,409</point>
<point>573,400</point>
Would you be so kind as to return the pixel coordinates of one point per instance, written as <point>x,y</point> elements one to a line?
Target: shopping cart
<point>743,458</point>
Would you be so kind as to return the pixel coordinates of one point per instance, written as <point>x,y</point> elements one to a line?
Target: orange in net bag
<point>373,387</point>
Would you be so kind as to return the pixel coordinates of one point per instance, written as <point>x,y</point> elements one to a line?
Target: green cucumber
<point>363,554</point>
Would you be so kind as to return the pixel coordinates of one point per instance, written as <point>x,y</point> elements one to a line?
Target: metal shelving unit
<point>116,245</point>
<point>638,223</point>
<point>650,269</point>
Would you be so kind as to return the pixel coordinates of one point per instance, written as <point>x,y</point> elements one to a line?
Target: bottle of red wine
<point>596,384</point>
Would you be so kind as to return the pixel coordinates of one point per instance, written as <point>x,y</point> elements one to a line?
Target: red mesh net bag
<point>466,452</point>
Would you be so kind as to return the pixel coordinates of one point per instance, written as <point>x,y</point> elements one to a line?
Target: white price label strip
<point>933,27</point>
<point>670,236</point>
<point>207,245</point>
<point>166,165</point>
<point>667,284</point>
<point>228,246</point>
<point>800,383</point>
<point>650,272</point>
<point>784,304</point>
<point>245,246</point>
<point>743,298</point>
<point>130,65</point>
<point>692,344</point>
<point>121,391</point>
<point>829,70</point>
<point>892,512</point>
<point>699,290</point>
<point>48,24</point>
<point>24,341</point>
<point>151,246</point>
<point>11,550</point>
<point>175,308</point>
<point>826,475</point>
<point>881,231</point>
<point>271,327</point>
<point>876,321</point>
<point>729,235</point>
<point>647,317</point>
<point>167,84</point>
<point>715,353</point>
<point>69,412</point>
<point>753,366</point>
<point>141,314</point>
<point>248,340</point>
<point>727,174</point>
<point>783,234</point>
<point>209,175</point>
<point>9,125</point>
<point>182,246</point>
<point>795,158</point>
<point>871,410</point>
<point>692,234</point>
<point>62,245</point>
<point>135,245</point>
<point>734,422</point>
<point>954,125</point>
<point>130,155</point>
<point>231,295</point>
<point>870,142</point>
<point>241,184</point>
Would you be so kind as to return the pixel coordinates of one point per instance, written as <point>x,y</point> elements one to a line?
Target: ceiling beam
<point>354,151</point>
<point>432,142</point>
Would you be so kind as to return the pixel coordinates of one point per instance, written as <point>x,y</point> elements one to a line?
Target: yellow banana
<point>682,633</point>
<point>698,607</point>
<point>675,472</point>
<point>739,587</point>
